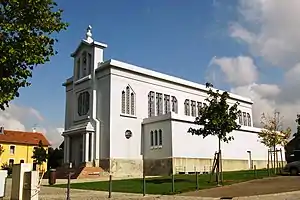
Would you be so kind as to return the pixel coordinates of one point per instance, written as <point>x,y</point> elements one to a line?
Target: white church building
<point>124,118</point>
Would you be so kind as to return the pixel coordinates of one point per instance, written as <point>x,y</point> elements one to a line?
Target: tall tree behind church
<point>26,40</point>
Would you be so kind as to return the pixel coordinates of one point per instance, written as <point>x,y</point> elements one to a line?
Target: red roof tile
<point>21,137</point>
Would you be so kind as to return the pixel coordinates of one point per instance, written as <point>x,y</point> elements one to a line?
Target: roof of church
<point>22,137</point>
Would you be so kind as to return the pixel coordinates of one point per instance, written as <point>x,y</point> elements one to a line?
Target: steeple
<point>88,35</point>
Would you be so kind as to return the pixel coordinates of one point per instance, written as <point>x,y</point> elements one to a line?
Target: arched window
<point>167,103</point>
<point>249,119</point>
<point>156,137</point>
<point>193,105</point>
<point>127,99</point>
<point>174,105</point>
<point>199,105</point>
<point>84,64</point>
<point>123,102</point>
<point>245,118</point>
<point>132,98</point>
<point>240,118</point>
<point>159,103</point>
<point>151,139</point>
<point>151,104</point>
<point>160,137</point>
<point>187,107</point>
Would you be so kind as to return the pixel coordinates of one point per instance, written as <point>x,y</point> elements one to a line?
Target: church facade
<point>124,118</point>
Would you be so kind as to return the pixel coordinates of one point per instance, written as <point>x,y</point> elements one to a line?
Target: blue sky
<point>172,36</point>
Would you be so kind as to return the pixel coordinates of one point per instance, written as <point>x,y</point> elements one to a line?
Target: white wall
<point>156,123</point>
<point>142,85</point>
<point>193,146</point>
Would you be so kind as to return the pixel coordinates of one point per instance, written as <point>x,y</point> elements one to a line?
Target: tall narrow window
<point>240,118</point>
<point>167,103</point>
<point>187,107</point>
<point>127,99</point>
<point>156,137</point>
<point>12,150</point>
<point>151,104</point>
<point>83,103</point>
<point>159,104</point>
<point>199,105</point>
<point>245,118</point>
<point>123,102</point>
<point>174,105</point>
<point>193,105</point>
<point>249,119</point>
<point>84,64</point>
<point>132,98</point>
<point>89,63</point>
<point>160,137</point>
<point>151,139</point>
<point>78,76</point>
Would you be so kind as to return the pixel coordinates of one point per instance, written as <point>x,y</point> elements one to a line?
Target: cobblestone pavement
<point>49,193</point>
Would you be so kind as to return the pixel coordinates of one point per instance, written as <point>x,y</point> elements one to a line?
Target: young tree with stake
<point>217,118</point>
<point>272,133</point>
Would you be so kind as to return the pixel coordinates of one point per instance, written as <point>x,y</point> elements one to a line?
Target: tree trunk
<point>275,161</point>
<point>219,172</point>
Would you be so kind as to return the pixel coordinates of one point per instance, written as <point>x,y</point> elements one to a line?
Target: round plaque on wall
<point>128,134</point>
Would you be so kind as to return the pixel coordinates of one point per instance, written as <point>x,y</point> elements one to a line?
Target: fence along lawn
<point>163,185</point>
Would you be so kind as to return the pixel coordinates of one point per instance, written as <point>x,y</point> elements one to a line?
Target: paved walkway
<point>49,193</point>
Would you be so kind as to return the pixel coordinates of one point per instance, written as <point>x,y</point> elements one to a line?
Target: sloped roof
<point>21,137</point>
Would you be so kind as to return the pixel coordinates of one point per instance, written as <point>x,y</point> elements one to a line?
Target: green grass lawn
<point>163,185</point>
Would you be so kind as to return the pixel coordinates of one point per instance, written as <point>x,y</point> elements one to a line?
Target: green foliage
<point>55,158</point>
<point>26,40</point>
<point>217,117</point>
<point>7,167</point>
<point>40,154</point>
<point>272,133</point>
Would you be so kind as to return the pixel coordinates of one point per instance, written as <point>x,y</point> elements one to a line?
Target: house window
<point>187,107</point>
<point>249,119</point>
<point>245,119</point>
<point>193,104</point>
<point>11,162</point>
<point>22,161</point>
<point>151,104</point>
<point>127,99</point>
<point>167,103</point>
<point>83,103</point>
<point>160,137</point>
<point>199,105</point>
<point>151,139</point>
<point>123,102</point>
<point>12,150</point>
<point>174,105</point>
<point>156,137</point>
<point>240,118</point>
<point>132,98</point>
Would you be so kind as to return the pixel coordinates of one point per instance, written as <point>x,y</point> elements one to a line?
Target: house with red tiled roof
<point>18,146</point>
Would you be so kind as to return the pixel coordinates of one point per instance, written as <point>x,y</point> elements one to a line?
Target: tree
<point>217,118</point>
<point>55,158</point>
<point>272,133</point>
<point>26,40</point>
<point>40,154</point>
<point>1,150</point>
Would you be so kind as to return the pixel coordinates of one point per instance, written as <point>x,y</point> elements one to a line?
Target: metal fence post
<point>173,183</point>
<point>144,185</point>
<point>110,186</point>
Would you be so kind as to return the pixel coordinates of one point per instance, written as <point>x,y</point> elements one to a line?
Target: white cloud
<point>238,71</point>
<point>25,119</point>
<point>271,29</point>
